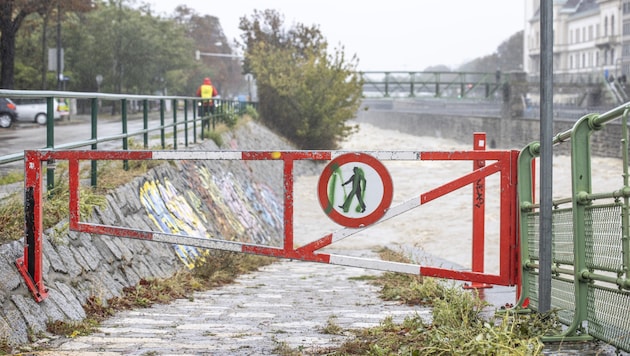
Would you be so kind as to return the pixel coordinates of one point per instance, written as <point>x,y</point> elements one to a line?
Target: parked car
<point>8,115</point>
<point>34,110</point>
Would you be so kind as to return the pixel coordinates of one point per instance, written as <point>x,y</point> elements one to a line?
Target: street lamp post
<point>198,55</point>
<point>59,57</point>
<point>99,81</point>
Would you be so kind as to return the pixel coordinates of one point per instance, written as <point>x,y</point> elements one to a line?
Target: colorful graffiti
<point>212,204</point>
<point>165,209</point>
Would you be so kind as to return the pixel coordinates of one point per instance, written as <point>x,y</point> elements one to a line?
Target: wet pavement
<point>289,304</point>
<point>286,305</point>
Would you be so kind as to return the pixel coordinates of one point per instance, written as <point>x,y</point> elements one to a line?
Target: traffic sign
<point>355,190</point>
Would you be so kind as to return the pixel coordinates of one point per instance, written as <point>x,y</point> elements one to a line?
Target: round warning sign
<point>355,190</point>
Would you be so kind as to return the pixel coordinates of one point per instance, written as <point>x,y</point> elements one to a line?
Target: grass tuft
<point>458,325</point>
<point>12,177</point>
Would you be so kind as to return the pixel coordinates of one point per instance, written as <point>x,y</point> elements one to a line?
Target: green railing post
<point>437,85</point>
<point>214,115</point>
<point>162,132</point>
<point>412,82</point>
<point>125,140</point>
<point>625,219</point>
<point>145,122</point>
<point>185,123</point>
<point>50,142</point>
<point>387,84</point>
<point>526,203</point>
<point>194,110</point>
<point>93,118</point>
<point>581,187</point>
<point>174,107</point>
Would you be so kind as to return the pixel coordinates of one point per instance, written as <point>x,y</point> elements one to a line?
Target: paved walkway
<point>287,304</point>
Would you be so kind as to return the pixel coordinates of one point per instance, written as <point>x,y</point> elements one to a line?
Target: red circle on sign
<point>330,208</point>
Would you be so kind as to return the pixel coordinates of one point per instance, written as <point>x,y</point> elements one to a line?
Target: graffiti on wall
<point>211,204</point>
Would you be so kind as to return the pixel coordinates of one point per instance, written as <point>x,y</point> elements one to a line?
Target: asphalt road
<point>29,136</point>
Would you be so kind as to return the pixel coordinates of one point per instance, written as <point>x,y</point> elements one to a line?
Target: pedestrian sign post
<point>355,190</point>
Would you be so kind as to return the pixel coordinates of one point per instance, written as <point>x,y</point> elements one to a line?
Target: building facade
<point>591,39</point>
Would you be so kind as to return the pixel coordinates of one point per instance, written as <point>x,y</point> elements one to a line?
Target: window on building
<point>584,34</point>
<point>612,25</point>
<point>597,31</point>
<point>606,26</point>
<point>612,56</point>
<point>596,58</point>
<point>590,33</point>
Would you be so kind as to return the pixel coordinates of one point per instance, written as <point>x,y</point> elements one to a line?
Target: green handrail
<point>95,100</point>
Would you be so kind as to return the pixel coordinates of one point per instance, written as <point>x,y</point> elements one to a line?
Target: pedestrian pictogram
<point>355,190</point>
<point>358,190</point>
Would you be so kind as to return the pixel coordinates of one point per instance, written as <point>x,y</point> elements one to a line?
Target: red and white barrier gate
<point>367,164</point>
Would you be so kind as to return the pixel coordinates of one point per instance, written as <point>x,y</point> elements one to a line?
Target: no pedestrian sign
<point>355,190</point>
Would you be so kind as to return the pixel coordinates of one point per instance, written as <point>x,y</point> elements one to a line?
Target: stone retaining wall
<point>512,133</point>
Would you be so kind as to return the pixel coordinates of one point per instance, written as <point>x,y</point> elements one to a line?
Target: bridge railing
<point>435,84</point>
<point>590,286</point>
<point>185,118</point>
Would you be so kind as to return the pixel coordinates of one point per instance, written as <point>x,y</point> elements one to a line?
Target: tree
<point>508,57</point>
<point>134,51</point>
<point>208,37</point>
<point>305,93</point>
<point>12,15</point>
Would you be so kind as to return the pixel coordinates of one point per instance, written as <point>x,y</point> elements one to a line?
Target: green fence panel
<point>590,241</point>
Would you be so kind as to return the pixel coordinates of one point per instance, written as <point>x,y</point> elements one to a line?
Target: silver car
<point>8,114</point>
<point>34,110</point>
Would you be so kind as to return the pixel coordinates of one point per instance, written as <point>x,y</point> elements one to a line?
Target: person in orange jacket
<point>206,92</point>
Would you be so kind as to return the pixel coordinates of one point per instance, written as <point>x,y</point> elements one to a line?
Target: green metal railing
<point>225,110</point>
<point>590,241</point>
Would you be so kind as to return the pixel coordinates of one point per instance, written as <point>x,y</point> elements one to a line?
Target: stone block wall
<point>512,133</point>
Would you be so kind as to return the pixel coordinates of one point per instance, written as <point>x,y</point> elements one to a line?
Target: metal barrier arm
<point>30,265</point>
<point>407,205</point>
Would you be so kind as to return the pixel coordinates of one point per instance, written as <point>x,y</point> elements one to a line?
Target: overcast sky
<point>385,35</point>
